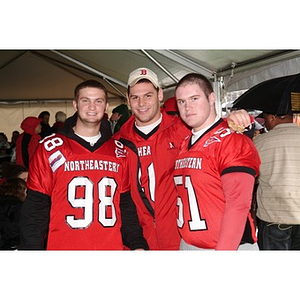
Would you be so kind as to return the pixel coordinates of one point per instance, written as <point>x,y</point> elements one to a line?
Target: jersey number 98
<point>87,202</point>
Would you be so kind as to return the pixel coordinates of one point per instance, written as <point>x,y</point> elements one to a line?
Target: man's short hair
<point>44,113</point>
<point>141,81</point>
<point>195,78</point>
<point>91,84</point>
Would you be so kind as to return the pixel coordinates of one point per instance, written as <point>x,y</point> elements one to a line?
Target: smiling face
<point>144,100</point>
<point>196,109</point>
<point>91,106</point>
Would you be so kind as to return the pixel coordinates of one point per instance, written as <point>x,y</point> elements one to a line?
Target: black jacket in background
<point>10,209</point>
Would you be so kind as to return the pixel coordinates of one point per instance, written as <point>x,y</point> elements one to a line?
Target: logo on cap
<point>142,73</point>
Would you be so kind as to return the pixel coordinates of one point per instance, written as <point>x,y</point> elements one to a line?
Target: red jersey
<point>157,152</point>
<point>85,188</point>
<point>197,175</point>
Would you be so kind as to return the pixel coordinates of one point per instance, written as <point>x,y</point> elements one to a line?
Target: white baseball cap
<point>142,73</point>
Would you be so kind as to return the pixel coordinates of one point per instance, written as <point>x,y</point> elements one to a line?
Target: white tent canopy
<point>36,80</point>
<point>52,74</point>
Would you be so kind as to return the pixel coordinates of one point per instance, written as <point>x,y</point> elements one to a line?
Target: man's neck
<point>86,130</point>
<point>148,128</point>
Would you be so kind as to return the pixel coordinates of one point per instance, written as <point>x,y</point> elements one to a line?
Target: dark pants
<point>273,236</point>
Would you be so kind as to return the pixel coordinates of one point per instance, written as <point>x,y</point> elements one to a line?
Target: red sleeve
<point>238,188</point>
<point>40,174</point>
<point>238,151</point>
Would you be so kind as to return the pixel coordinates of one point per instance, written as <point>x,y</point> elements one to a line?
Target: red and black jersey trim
<point>144,198</point>
<point>208,130</point>
<point>241,169</point>
<point>143,135</point>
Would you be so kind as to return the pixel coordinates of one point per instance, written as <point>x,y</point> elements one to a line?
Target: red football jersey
<point>157,152</point>
<point>85,192</point>
<point>197,176</point>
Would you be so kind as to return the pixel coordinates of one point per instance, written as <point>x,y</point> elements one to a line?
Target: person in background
<point>5,147</point>
<point>13,170</point>
<point>60,118</point>
<point>278,191</point>
<point>46,128</point>
<point>155,136</point>
<point>13,143</point>
<point>78,195</point>
<point>214,172</point>
<point>28,140</point>
<point>258,129</point>
<point>14,137</point>
<point>12,195</point>
<point>170,106</point>
<point>120,115</point>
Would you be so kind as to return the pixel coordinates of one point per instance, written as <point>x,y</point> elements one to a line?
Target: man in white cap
<point>156,138</point>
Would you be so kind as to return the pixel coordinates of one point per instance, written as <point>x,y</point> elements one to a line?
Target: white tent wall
<point>247,79</point>
<point>12,115</point>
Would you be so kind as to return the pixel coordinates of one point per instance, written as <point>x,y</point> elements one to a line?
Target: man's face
<point>115,116</point>
<point>45,119</point>
<point>144,101</point>
<point>91,105</point>
<point>23,176</point>
<point>195,109</point>
<point>38,128</point>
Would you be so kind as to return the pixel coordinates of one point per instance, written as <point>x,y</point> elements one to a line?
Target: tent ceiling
<point>52,75</point>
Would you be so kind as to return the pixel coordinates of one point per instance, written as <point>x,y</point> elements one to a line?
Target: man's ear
<point>75,104</point>
<point>212,98</point>
<point>127,98</point>
<point>160,95</point>
<point>272,118</point>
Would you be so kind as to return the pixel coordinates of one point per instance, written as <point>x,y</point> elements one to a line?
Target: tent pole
<point>185,62</point>
<point>104,76</point>
<point>12,60</point>
<point>216,87</point>
<point>160,66</point>
<point>122,94</point>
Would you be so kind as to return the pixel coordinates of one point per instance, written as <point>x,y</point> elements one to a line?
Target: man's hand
<point>239,120</point>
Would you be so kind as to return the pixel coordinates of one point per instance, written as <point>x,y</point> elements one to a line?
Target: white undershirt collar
<point>148,128</point>
<point>197,134</point>
<point>90,139</point>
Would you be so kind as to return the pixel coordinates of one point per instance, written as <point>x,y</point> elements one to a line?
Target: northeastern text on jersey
<point>91,164</point>
<point>189,163</point>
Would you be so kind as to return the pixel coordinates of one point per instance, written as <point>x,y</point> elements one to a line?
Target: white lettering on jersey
<point>52,143</point>
<point>56,159</point>
<point>188,163</point>
<point>222,132</point>
<point>90,164</point>
<point>120,151</point>
<point>144,151</point>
